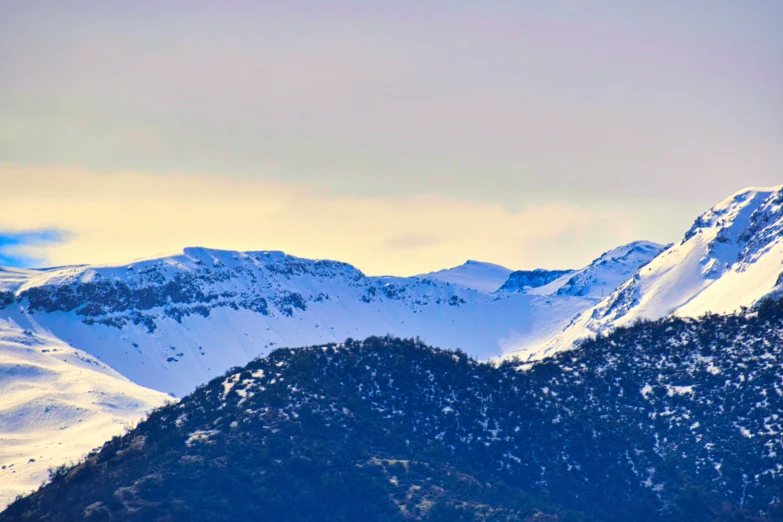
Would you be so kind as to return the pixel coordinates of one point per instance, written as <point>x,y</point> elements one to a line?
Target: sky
<point>401,137</point>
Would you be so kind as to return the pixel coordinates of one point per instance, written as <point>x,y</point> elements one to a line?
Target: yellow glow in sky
<point>119,217</point>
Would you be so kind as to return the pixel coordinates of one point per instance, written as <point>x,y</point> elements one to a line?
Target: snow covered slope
<point>596,280</point>
<point>56,404</point>
<point>175,322</point>
<point>610,270</point>
<point>484,277</point>
<point>731,257</point>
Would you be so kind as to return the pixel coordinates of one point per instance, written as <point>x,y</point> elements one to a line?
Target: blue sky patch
<point>10,243</point>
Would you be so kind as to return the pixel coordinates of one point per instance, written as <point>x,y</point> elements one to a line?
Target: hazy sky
<point>400,136</point>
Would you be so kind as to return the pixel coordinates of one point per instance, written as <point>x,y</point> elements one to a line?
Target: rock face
<point>673,420</point>
<point>731,257</point>
<point>522,280</point>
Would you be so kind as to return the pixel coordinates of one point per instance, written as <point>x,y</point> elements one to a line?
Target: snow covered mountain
<point>478,275</point>
<point>58,403</point>
<point>70,335</point>
<point>82,347</point>
<point>732,257</point>
<point>172,323</point>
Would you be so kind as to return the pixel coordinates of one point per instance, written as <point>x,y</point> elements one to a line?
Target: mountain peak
<point>473,262</point>
<point>738,212</point>
<point>477,275</point>
<point>731,257</point>
<point>633,246</point>
<point>751,191</point>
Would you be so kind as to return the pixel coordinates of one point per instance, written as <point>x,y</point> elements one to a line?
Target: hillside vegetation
<point>677,419</point>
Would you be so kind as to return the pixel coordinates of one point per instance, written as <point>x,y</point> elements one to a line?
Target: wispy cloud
<point>27,248</point>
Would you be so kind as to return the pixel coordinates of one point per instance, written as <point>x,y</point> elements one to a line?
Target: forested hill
<point>677,419</point>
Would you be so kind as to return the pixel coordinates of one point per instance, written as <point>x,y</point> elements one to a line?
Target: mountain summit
<point>478,275</point>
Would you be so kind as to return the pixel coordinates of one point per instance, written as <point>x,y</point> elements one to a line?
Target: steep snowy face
<point>596,280</point>
<point>610,270</point>
<point>731,257</point>
<point>58,403</point>
<point>478,275</point>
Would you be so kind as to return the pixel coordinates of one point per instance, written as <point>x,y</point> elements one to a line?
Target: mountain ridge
<point>731,257</point>
<point>154,320</point>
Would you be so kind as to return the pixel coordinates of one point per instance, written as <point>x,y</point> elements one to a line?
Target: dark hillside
<point>669,420</point>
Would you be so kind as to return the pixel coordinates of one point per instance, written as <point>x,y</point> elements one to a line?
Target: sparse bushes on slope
<point>667,420</point>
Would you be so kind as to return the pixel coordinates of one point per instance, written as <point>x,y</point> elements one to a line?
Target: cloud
<point>20,248</point>
<point>119,217</point>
